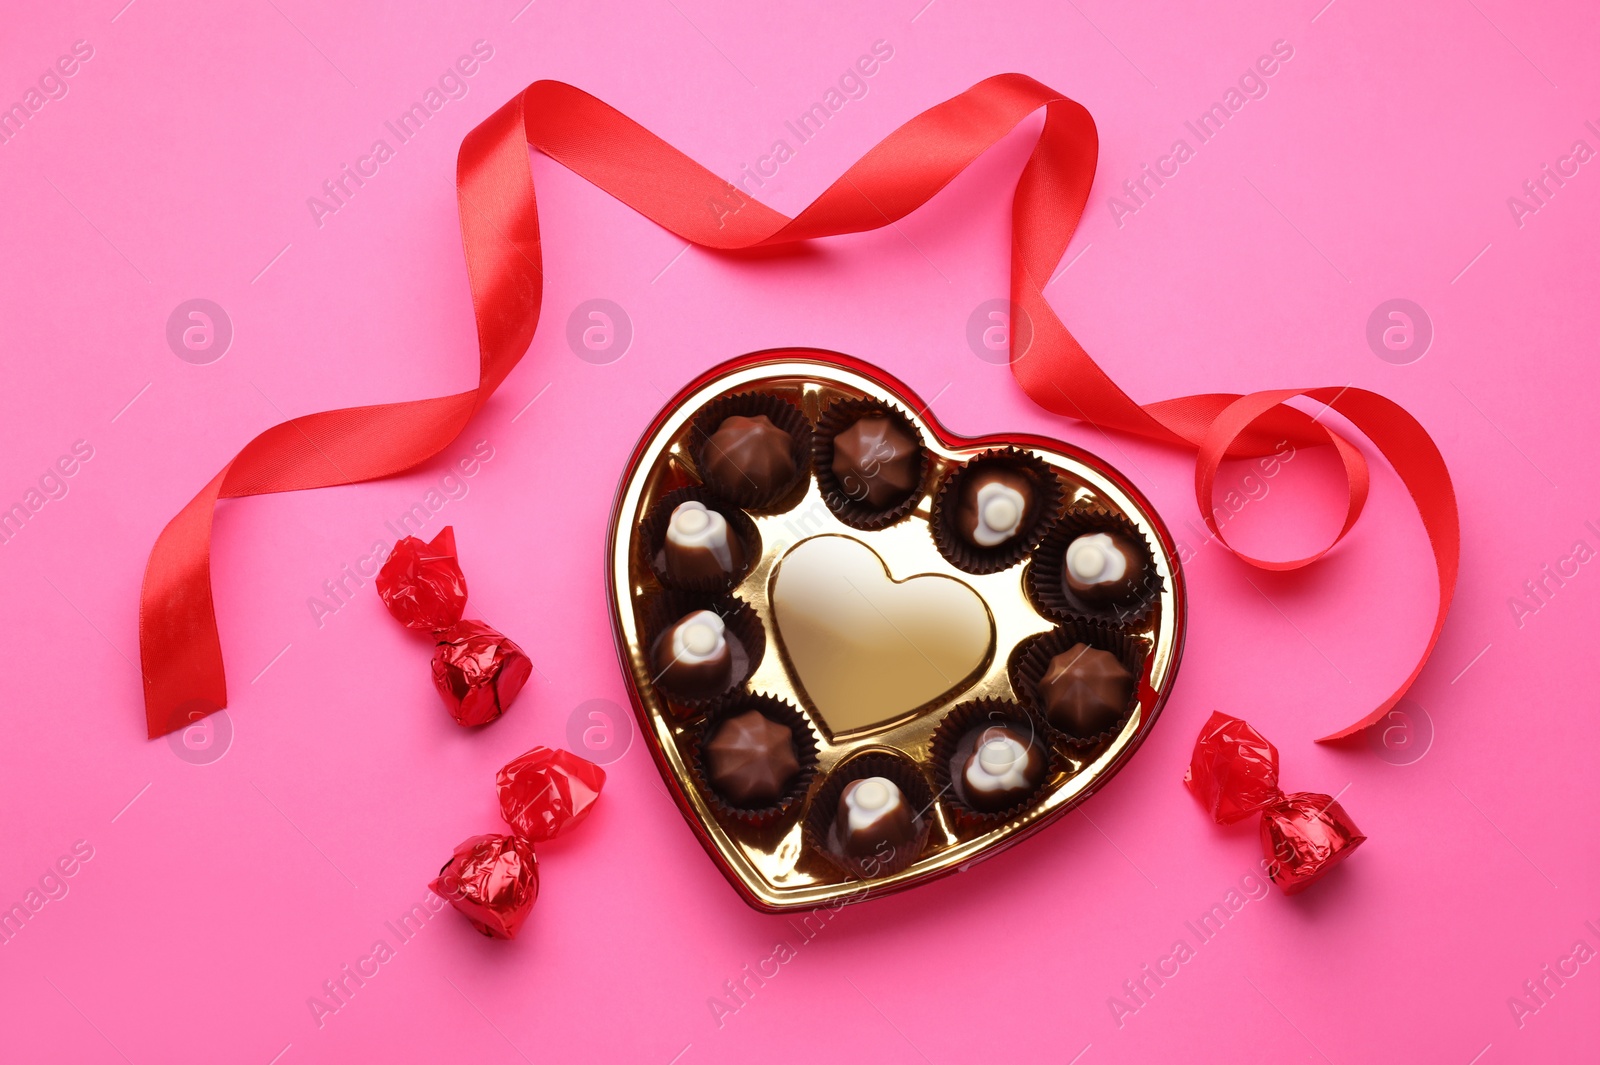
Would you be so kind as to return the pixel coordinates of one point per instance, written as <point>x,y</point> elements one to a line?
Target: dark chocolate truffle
<point>750,760</point>
<point>876,461</point>
<point>1085,691</point>
<point>1003,767</point>
<point>700,545</point>
<point>873,814</point>
<point>996,504</point>
<point>748,455</point>
<point>693,657</point>
<point>1102,567</point>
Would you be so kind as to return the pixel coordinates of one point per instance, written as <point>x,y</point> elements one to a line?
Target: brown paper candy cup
<point>747,642</point>
<point>954,740</point>
<point>1031,660</point>
<point>947,507</point>
<point>653,535</point>
<point>781,413</point>
<point>757,818</point>
<point>1046,573</point>
<point>845,500</point>
<point>820,831</point>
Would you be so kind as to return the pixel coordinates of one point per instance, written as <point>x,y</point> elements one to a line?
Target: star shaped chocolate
<point>1085,691</point>
<point>874,459</point>
<point>748,455</point>
<point>751,760</point>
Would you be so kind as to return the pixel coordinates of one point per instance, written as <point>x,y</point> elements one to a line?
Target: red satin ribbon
<point>179,646</point>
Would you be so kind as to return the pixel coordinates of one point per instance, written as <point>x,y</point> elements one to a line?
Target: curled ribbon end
<point>1349,733</point>
<point>163,716</point>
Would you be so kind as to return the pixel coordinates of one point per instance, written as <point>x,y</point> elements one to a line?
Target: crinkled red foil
<point>493,880</point>
<point>422,583</point>
<point>1234,773</point>
<point>1306,834</point>
<point>546,792</point>
<point>478,672</point>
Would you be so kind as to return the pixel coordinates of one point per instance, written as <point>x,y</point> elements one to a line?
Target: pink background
<point>223,892</point>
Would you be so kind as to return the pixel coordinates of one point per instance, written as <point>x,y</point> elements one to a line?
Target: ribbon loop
<point>1235,419</point>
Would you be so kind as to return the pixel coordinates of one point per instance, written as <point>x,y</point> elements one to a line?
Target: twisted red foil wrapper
<point>1234,773</point>
<point>478,672</point>
<point>422,583</point>
<point>547,792</point>
<point>492,880</point>
<point>180,650</point>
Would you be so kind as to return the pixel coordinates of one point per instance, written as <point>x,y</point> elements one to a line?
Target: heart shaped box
<point>779,867</point>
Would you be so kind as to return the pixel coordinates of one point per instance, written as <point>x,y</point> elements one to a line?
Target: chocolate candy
<point>1004,767</point>
<point>1085,691</point>
<point>693,657</point>
<point>1306,834</point>
<point>873,815</point>
<point>748,455</point>
<point>699,545</point>
<point>996,504</point>
<point>478,672</point>
<point>1103,566</point>
<point>546,792</point>
<point>1234,773</point>
<point>750,760</point>
<point>1234,769</point>
<point>876,461</point>
<point>493,881</point>
<point>422,585</point>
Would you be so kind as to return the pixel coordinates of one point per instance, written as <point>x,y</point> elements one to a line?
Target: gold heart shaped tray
<point>925,637</point>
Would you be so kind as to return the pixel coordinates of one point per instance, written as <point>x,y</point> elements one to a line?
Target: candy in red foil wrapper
<point>1306,834</point>
<point>1234,773</point>
<point>546,792</point>
<point>422,584</point>
<point>478,672</point>
<point>493,881</point>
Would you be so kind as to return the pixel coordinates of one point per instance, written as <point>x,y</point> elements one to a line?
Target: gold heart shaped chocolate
<point>865,652</point>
